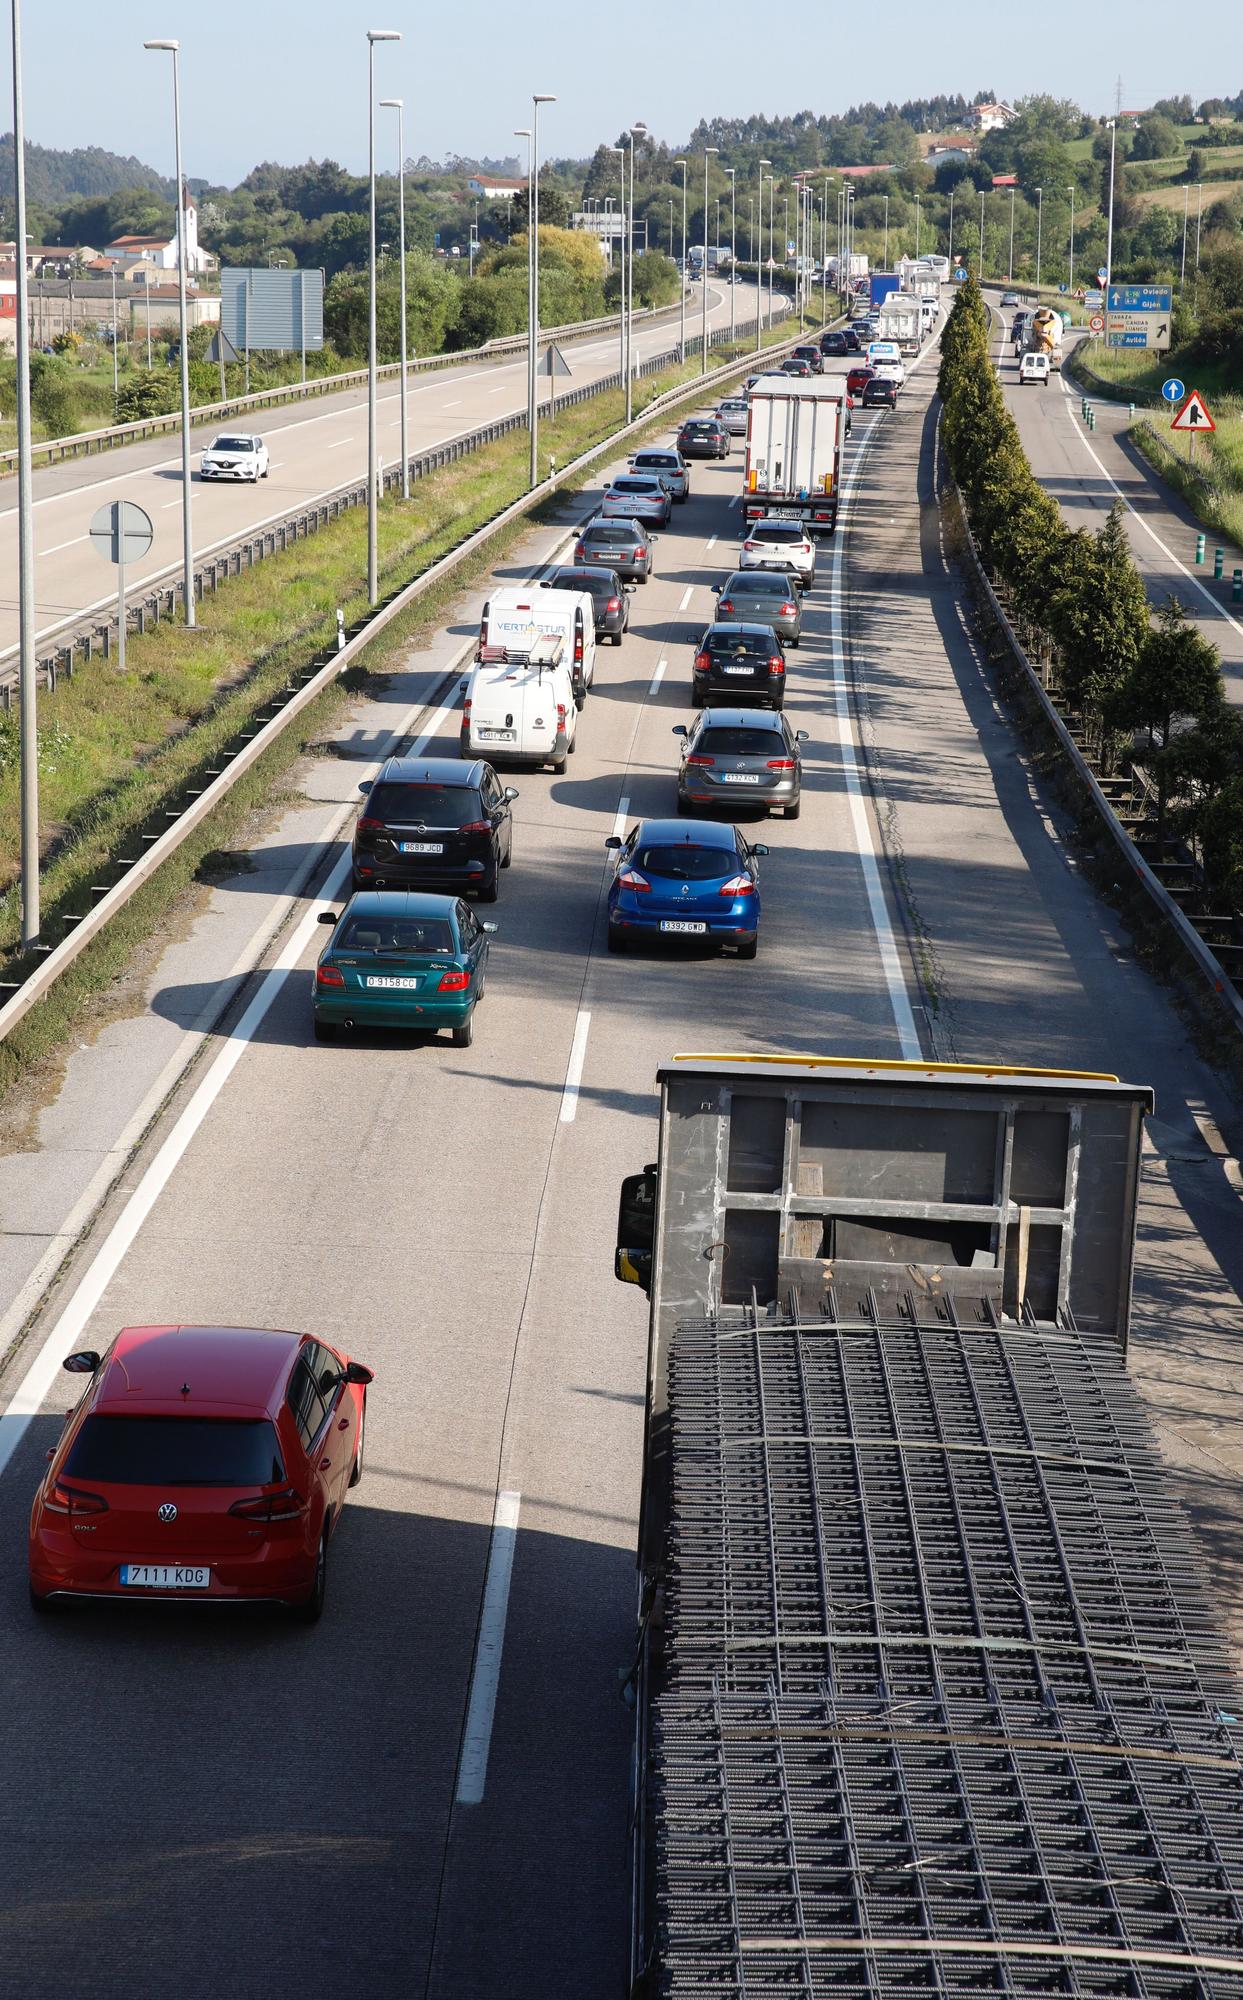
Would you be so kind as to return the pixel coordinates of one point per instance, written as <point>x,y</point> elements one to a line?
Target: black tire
<point>491,889</point>
<point>356,1470</point>
<point>310,1612</point>
<point>697,700</point>
<point>559,763</point>
<point>574,743</point>
<point>325,1031</point>
<point>792,812</point>
<point>580,701</point>
<point>683,809</point>
<point>795,639</point>
<point>749,950</point>
<point>508,862</point>
<point>47,1607</point>
<point>617,942</point>
<point>616,638</point>
<point>464,1034</point>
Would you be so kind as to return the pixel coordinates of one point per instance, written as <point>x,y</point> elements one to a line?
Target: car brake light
<point>726,604</point>
<point>628,879</point>
<point>368,825</point>
<point>776,665</point>
<point>561,714</point>
<point>454,982</point>
<point>476,826</point>
<point>703,762</point>
<point>578,649</point>
<point>787,611</point>
<point>466,705</point>
<point>329,975</point>
<point>72,1500</point>
<point>614,604</point>
<point>738,885</point>
<point>640,553</point>
<point>748,545</point>
<point>283,1506</point>
<point>702,663</point>
<point>781,763</point>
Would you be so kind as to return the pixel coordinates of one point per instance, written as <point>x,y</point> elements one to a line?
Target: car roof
<point>775,521</point>
<point>740,718</point>
<point>658,451</point>
<point>399,903</point>
<point>609,523</point>
<point>567,572</point>
<point>431,771</point>
<point>238,1369</point>
<point>689,833</point>
<point>736,625</point>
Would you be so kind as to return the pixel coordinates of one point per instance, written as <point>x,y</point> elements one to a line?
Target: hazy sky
<point>286,79</point>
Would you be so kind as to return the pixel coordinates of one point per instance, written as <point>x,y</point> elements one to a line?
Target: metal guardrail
<point>84,631</point>
<point>322,671</point>
<point>84,443</point>
<point>1206,963</point>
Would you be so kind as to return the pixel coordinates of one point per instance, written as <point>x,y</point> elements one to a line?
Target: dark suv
<point>609,598</point>
<point>812,356</point>
<point>739,663</point>
<point>620,545</point>
<point>429,821</point>
<point>704,437</point>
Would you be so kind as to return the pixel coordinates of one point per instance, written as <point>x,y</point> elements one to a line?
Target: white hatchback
<point>779,543</point>
<point>234,455</point>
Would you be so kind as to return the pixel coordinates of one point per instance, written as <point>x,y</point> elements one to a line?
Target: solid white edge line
<point>710,543</point>
<point>619,822</point>
<point>574,1069</point>
<point>686,596</point>
<point>489,1645</point>
<point>657,677</point>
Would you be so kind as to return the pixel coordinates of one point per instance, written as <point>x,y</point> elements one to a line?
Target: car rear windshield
<point>393,934</point>
<point>642,486</point>
<point>738,645</point>
<point>700,424</point>
<point>720,742</point>
<point>598,587</point>
<point>667,461</point>
<point>233,444</point>
<point>434,805</point>
<point>687,863</point>
<point>176,1451</point>
<point>614,535</point>
<point>758,583</point>
<point>778,531</point>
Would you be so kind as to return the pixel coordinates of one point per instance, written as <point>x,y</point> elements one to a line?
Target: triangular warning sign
<point>1194,415</point>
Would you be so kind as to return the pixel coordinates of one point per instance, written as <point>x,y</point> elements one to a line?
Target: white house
<point>161,251</point>
<point>991,117</point>
<point>487,187</point>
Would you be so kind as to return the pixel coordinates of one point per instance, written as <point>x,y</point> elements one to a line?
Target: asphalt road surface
<point>1087,471</point>
<point>198,1805</point>
<point>316,448</point>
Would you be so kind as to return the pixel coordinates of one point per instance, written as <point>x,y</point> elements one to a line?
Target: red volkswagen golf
<point>203,1462</point>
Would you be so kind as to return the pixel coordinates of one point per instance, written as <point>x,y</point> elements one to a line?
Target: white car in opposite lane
<point>234,455</point>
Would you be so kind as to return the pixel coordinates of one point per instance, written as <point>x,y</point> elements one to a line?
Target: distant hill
<point>53,176</point>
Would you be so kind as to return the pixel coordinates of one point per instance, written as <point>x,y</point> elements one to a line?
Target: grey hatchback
<point>622,546</point>
<point>738,757</point>
<point>762,597</point>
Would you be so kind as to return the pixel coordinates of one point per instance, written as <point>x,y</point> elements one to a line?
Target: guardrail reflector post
<point>1219,564</point>
<point>340,630</point>
<point>1236,587</point>
<point>1199,548</point>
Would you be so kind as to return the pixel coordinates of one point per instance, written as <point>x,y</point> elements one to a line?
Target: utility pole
<point>1182,269</point>
<point>1039,228</point>
<point>187,539</point>
<point>27,667</point>
<point>886,261</point>
<point>1070,284</point>
<point>395,104</point>
<point>685,273</point>
<point>374,35</point>
<point>733,251</point>
<point>635,130</point>
<point>759,275</point>
<point>703,350</point>
<point>1109,231</point>
<point>1011,270</point>
<point>981,265</point>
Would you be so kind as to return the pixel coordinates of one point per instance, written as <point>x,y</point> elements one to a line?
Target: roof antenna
<point>185,1388</point>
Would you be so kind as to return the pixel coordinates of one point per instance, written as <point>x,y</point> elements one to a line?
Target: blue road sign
<point>1173,390</point>
<point>1141,298</point>
<point>1128,340</point>
<point>1101,275</point>
<point>959,275</point>
<point>1063,286</point>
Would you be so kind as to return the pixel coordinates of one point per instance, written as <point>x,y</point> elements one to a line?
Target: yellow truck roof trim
<point>894,1064</point>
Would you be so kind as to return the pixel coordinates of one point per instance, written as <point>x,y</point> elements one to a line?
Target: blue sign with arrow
<point>1173,390</point>
<point>1141,298</point>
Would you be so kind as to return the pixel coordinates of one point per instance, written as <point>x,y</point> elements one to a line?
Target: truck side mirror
<point>636,1229</point>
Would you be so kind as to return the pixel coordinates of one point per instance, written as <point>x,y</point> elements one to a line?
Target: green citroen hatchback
<point>400,959</point>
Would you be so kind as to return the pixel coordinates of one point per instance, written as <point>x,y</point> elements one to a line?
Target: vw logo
<point>167,1512</point>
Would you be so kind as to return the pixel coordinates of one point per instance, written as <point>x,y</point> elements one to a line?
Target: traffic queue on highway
<point>253,1516</point>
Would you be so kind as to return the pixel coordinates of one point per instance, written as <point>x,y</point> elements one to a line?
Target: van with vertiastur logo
<point>519,614</point>
<point>519,704</point>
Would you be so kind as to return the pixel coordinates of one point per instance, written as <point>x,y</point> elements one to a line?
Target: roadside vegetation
<point>1139,688</point>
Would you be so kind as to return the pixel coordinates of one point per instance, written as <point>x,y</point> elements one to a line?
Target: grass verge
<point>1216,501</point>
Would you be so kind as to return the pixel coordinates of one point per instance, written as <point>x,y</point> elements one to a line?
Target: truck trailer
<point>901,319</point>
<point>880,284</point>
<point>795,436</point>
<point>1043,335</point>
<point>928,1693</point>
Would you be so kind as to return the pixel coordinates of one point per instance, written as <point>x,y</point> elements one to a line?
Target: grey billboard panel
<point>282,311</point>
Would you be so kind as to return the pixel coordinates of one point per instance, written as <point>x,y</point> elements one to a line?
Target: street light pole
<point>374,35</point>
<point>395,104</point>
<point>1039,228</point>
<point>537,98</point>
<point>621,240</point>
<point>1109,231</point>
<point>1011,273</point>
<point>1195,289</point>
<point>733,251</point>
<point>1182,269</point>
<point>187,539</point>
<point>772,196</point>
<point>524,132</point>
<point>759,276</point>
<point>27,667</point>
<point>685,273</point>
<point>703,318</point>
<point>116,385</point>
<point>1070,285</point>
<point>886,264</point>
<point>981,271</point>
<point>950,245</point>
<point>917,228</point>
<point>635,130</point>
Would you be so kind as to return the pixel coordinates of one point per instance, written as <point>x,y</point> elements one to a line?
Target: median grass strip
<point>119,752</point>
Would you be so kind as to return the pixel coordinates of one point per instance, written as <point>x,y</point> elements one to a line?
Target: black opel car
<point>739,663</point>
<point>609,598</point>
<point>427,822</point>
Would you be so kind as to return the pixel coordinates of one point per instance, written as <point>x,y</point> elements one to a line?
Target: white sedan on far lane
<point>234,455</point>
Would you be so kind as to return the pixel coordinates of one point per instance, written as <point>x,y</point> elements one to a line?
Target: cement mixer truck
<point>1044,335</point>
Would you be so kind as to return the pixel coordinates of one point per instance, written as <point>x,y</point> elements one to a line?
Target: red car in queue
<point>203,1463</point>
<point>858,378</point>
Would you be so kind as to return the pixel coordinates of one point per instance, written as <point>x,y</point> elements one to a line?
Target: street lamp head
<point>173,46</point>
<point>542,97</point>
<point>522,132</point>
<point>383,34</point>
<point>391,103</point>
<point>710,149</point>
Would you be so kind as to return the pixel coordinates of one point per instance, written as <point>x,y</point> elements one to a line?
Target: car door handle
<point>325,1465</point>
<point>344,1424</point>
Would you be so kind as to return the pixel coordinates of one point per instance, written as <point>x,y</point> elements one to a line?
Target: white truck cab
<point>517,616</point>
<point>519,704</point>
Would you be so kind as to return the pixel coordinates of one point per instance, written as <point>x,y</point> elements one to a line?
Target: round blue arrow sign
<point>1173,390</point>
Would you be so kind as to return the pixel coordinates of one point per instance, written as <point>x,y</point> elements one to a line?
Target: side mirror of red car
<point>355,1372</point>
<point>84,1363</point>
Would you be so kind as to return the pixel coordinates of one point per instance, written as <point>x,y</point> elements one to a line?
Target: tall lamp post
<point>917,228</point>
<point>685,273</point>
<point>886,232</point>
<point>1011,271</point>
<point>374,35</point>
<point>1182,269</point>
<point>703,317</point>
<point>395,104</point>
<point>621,244</point>
<point>1071,279</point>
<point>772,196</point>
<point>1109,228</point>
<point>1039,228</point>
<point>733,250</point>
<point>980,273</point>
<point>759,277</point>
<point>538,97</point>
<point>187,539</point>
<point>950,245</point>
<point>27,669</point>
<point>636,131</point>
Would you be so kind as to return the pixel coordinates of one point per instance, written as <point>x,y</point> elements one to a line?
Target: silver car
<point>669,466</point>
<point>733,413</point>
<point>637,497</point>
<point>735,757</point>
<point>774,543</point>
<point>762,597</point>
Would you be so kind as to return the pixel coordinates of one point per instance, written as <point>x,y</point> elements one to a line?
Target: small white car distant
<point>1034,368</point>
<point>234,455</point>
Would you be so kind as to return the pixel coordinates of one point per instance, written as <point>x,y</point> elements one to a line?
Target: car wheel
<point>464,1034</point>
<point>794,639</point>
<point>683,807</point>
<point>312,1609</point>
<point>325,1031</point>
<point>491,889</point>
<point>356,1470</point>
<point>792,812</point>
<point>45,1606</point>
<point>580,699</point>
<point>617,638</point>
<point>617,942</point>
<point>508,862</point>
<point>749,948</point>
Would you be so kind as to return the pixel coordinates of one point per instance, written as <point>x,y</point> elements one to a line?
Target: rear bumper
<point>735,798</point>
<point>390,1010</point>
<point>264,1578</point>
<point>372,874</point>
<point>514,753</point>
<point>731,929</point>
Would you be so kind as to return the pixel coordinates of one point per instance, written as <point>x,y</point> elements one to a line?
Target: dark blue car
<point>678,878</point>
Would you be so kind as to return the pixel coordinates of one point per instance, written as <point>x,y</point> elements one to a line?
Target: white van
<point>519,705</point>
<point>517,616</point>
<point>1035,368</point>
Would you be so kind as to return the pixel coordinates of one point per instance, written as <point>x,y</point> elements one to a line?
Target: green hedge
<point>1081,598</point>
